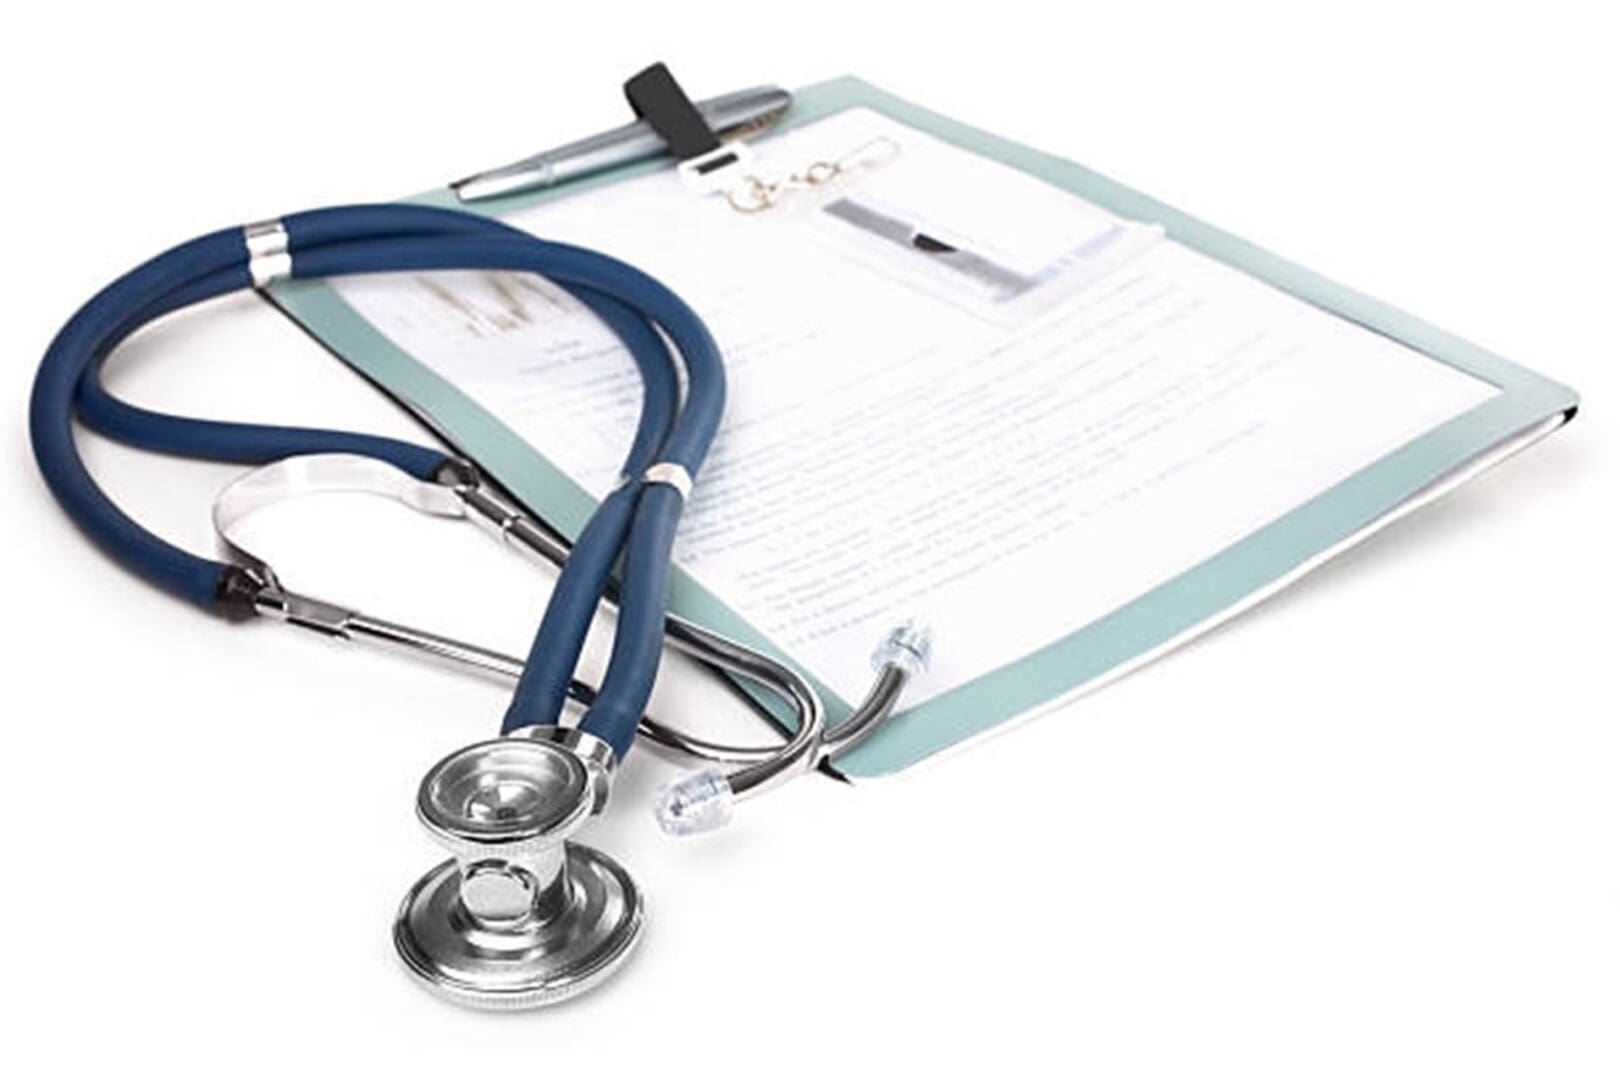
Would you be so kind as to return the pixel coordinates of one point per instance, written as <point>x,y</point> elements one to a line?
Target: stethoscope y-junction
<point>520,915</point>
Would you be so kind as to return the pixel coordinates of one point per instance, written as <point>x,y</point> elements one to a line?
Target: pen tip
<point>491,185</point>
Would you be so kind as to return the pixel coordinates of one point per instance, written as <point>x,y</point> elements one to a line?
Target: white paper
<point>894,445</point>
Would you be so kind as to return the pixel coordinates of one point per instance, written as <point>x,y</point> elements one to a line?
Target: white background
<point>1369,829</point>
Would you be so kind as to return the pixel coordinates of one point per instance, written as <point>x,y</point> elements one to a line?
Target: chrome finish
<point>837,739</point>
<point>459,492</point>
<point>338,621</point>
<point>315,474</point>
<point>596,755</point>
<point>345,623</point>
<point>579,936</point>
<point>731,116</point>
<point>504,798</point>
<point>519,917</point>
<point>268,258</point>
<point>870,714</point>
<point>497,516</point>
<point>801,751</point>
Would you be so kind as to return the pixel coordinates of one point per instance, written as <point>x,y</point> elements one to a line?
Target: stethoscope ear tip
<point>700,802</point>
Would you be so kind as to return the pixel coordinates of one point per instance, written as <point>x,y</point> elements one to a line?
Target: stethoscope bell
<point>519,918</point>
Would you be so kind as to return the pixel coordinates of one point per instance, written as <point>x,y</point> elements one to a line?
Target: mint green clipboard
<point>1141,626</point>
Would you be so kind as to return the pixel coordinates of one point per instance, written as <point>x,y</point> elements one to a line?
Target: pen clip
<point>734,116</point>
<point>706,164</point>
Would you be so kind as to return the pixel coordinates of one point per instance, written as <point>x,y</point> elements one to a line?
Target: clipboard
<point>1527,407</point>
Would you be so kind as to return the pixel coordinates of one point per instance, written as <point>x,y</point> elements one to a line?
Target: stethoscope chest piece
<point>520,917</point>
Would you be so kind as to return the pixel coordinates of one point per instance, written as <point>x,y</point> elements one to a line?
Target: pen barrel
<point>729,115</point>
<point>597,153</point>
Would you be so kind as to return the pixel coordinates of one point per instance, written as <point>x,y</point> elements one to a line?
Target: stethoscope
<point>520,915</point>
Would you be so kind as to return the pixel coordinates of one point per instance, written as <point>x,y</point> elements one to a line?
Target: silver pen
<point>733,115</point>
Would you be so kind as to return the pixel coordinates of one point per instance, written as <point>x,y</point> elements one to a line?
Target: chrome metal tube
<point>800,753</point>
<point>866,718</point>
<point>460,492</point>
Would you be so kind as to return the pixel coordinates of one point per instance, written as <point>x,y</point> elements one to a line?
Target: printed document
<point>957,394</point>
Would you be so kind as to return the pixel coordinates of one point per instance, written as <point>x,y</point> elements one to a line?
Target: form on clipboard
<point>1064,425</point>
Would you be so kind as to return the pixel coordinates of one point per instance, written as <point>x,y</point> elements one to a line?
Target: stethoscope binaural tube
<point>367,239</point>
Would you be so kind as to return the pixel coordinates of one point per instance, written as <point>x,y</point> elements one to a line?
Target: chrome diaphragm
<point>520,916</point>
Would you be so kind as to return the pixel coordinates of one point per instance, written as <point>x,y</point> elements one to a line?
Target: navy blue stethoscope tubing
<point>256,444</point>
<point>543,691</point>
<point>215,440</point>
<point>638,517</point>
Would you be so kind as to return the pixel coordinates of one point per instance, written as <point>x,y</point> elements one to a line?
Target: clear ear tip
<point>908,647</point>
<point>694,804</point>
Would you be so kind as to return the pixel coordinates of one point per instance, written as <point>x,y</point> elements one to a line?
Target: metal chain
<point>755,194</point>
